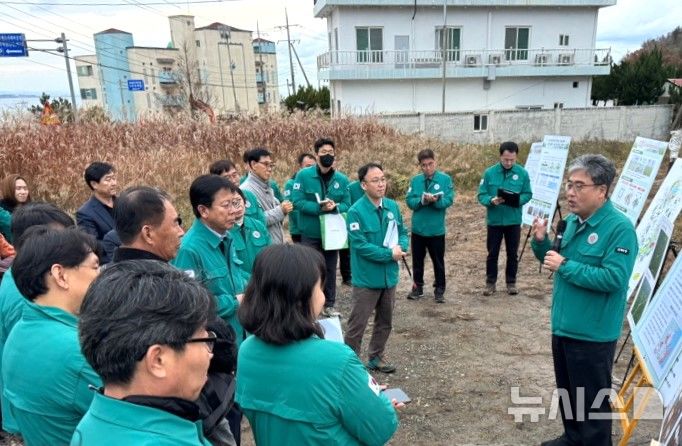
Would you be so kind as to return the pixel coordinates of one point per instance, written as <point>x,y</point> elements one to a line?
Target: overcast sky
<point>622,27</point>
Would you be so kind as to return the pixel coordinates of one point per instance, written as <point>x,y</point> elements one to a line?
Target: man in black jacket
<point>96,216</point>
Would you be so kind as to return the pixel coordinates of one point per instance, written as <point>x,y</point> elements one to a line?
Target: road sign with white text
<point>13,45</point>
<point>135,85</point>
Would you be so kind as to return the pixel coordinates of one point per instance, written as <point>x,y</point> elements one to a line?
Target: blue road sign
<point>135,85</point>
<point>13,45</point>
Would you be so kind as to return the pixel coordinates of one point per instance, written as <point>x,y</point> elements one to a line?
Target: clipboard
<point>511,198</point>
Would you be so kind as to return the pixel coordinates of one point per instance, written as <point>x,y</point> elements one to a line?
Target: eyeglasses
<point>234,204</point>
<point>376,180</point>
<point>578,186</point>
<point>266,164</point>
<point>210,341</point>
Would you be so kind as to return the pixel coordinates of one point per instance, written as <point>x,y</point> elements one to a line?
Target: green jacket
<point>201,257</point>
<point>516,180</point>
<point>112,422</point>
<point>12,305</point>
<point>307,183</point>
<point>252,208</point>
<point>428,220</point>
<point>372,263</point>
<point>249,239</point>
<point>293,215</point>
<point>6,224</point>
<point>45,375</point>
<point>310,392</point>
<point>355,191</point>
<point>590,289</point>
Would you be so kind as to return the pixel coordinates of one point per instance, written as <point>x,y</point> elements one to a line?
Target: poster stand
<point>625,399</point>
<point>530,230</point>
<point>672,247</point>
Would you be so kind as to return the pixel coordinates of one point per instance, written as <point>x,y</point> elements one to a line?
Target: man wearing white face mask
<point>319,190</point>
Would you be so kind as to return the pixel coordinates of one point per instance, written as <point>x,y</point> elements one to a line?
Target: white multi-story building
<point>391,56</point>
<point>89,81</point>
<point>266,74</point>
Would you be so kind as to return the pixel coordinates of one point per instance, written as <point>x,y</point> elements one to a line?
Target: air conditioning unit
<point>565,59</point>
<point>541,59</point>
<point>472,60</point>
<point>495,59</point>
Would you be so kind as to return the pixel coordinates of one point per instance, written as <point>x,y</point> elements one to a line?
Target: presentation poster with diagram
<point>658,335</point>
<point>548,180</point>
<point>637,177</point>
<point>667,203</point>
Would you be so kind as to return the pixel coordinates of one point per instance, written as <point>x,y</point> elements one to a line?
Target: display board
<point>667,203</point>
<point>548,179</point>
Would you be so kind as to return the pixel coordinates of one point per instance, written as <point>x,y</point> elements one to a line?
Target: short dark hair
<point>203,190</point>
<point>302,156</point>
<point>323,142</point>
<point>42,247</point>
<point>95,171</point>
<point>362,172</point>
<point>138,206</point>
<point>426,154</point>
<point>254,155</point>
<point>277,303</point>
<point>37,213</point>
<point>220,167</point>
<point>133,305</point>
<point>509,146</point>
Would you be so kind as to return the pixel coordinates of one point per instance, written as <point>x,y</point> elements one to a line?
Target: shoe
<point>512,290</point>
<point>380,366</point>
<point>439,295</point>
<point>347,282</point>
<point>489,289</point>
<point>558,441</point>
<point>330,312</point>
<point>416,293</point>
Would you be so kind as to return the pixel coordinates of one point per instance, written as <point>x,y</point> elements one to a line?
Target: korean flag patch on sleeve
<point>373,385</point>
<point>355,226</point>
<point>297,186</point>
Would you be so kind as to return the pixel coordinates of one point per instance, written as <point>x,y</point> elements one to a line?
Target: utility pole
<point>291,60</point>
<point>299,63</point>
<point>262,72</point>
<point>226,35</point>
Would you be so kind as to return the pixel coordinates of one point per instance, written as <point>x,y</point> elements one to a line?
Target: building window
<point>370,44</point>
<point>198,43</point>
<point>451,39</point>
<point>516,43</point>
<point>563,39</point>
<point>84,70</point>
<point>88,93</point>
<point>576,84</point>
<point>558,105</point>
<point>480,123</point>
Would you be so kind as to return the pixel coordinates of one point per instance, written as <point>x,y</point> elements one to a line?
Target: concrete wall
<point>596,123</point>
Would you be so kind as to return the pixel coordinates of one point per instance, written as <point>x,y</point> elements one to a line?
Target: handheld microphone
<point>560,229</point>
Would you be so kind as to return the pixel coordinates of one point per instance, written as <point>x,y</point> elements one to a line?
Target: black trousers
<point>584,368</point>
<point>436,247</point>
<point>331,258</point>
<point>344,264</point>
<point>234,419</point>
<point>512,236</point>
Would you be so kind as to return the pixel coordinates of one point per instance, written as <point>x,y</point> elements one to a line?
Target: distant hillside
<point>670,46</point>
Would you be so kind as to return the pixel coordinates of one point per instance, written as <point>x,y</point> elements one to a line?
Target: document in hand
<point>332,329</point>
<point>510,198</point>
<point>334,232</point>
<point>391,238</point>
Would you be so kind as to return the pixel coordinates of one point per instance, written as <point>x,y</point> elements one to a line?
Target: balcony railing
<point>167,78</point>
<point>421,59</point>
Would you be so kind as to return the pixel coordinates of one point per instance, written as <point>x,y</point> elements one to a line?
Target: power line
<point>166,3</point>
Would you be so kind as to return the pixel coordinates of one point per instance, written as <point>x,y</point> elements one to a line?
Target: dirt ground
<point>458,361</point>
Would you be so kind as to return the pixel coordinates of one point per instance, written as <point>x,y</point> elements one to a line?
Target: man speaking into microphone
<point>591,265</point>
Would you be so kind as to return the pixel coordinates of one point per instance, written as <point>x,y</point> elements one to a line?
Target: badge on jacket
<point>592,238</point>
<point>436,187</point>
<point>256,234</point>
<point>354,226</point>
